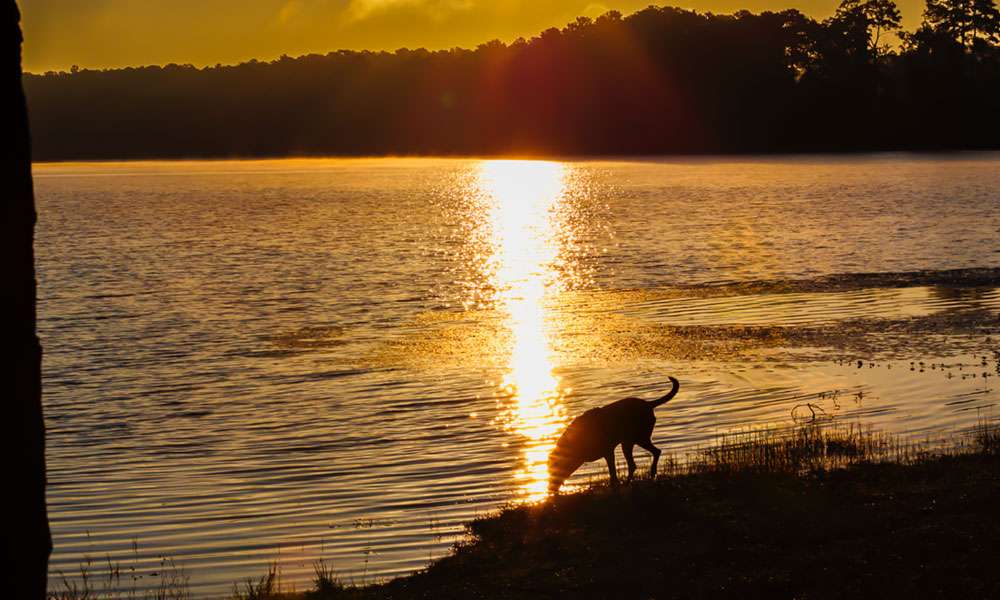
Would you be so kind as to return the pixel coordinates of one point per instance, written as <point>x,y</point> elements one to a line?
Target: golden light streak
<point>522,200</point>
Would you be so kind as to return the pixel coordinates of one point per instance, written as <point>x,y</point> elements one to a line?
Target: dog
<point>596,433</point>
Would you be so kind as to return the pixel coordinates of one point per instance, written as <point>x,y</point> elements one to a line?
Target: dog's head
<point>582,441</point>
<point>562,464</point>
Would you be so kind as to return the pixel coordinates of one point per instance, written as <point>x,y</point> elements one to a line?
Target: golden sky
<point>118,33</point>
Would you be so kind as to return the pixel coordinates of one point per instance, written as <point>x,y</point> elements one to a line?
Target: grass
<point>264,588</point>
<point>124,582</point>
<point>820,510</point>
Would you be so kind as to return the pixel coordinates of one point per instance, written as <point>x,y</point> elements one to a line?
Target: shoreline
<point>824,512</point>
<point>749,156</point>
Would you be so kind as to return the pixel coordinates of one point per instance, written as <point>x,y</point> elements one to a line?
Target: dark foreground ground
<point>929,528</point>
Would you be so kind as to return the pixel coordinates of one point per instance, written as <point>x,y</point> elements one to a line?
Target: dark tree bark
<point>29,540</point>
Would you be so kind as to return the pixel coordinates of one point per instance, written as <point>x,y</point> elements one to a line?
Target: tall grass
<point>805,448</point>
<point>266,587</point>
<point>822,445</point>
<point>986,436</point>
<point>117,582</point>
<point>819,444</point>
<point>326,584</point>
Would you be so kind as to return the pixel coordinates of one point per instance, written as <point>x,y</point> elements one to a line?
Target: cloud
<point>360,10</point>
<point>115,33</point>
<point>288,12</point>
<point>595,9</point>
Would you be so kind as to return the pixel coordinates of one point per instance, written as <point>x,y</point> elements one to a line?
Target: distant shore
<point>885,154</point>
<point>819,513</point>
<point>662,80</point>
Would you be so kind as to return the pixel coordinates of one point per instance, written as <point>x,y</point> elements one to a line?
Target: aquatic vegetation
<point>807,448</point>
<point>116,581</point>
<point>326,582</point>
<point>265,587</point>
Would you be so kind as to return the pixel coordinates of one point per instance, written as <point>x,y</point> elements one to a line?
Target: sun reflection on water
<point>522,200</point>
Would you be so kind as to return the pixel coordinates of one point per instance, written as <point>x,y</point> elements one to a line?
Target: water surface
<point>279,361</point>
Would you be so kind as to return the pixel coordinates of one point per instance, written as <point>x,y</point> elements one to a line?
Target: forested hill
<point>662,80</point>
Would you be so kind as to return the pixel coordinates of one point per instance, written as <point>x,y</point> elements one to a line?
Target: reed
<point>123,582</point>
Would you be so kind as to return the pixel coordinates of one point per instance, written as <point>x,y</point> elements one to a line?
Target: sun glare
<point>522,199</point>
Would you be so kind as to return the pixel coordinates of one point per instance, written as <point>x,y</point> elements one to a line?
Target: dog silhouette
<point>596,433</point>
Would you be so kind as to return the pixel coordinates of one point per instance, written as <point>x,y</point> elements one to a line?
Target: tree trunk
<point>29,539</point>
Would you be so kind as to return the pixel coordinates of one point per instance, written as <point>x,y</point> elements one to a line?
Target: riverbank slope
<point>747,519</point>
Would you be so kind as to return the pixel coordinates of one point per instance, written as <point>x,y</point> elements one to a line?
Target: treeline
<point>662,80</point>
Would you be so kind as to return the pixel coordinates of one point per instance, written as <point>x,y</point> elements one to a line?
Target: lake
<point>280,361</point>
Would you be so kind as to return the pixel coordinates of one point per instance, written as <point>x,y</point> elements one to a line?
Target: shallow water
<point>279,361</point>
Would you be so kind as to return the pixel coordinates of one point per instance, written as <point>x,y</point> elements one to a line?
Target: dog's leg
<point>612,472</point>
<point>627,451</point>
<point>648,445</point>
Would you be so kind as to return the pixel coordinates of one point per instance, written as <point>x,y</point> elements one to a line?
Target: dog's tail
<point>670,394</point>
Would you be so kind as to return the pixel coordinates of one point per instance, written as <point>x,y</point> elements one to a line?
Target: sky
<point>119,33</point>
